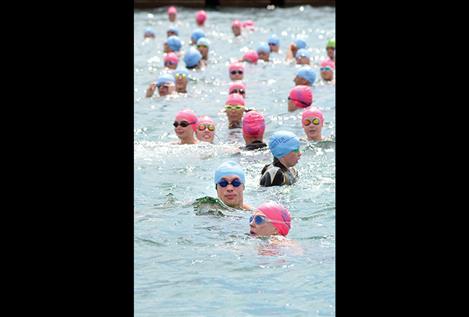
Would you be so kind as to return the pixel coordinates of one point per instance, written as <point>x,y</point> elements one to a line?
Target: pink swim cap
<point>236,23</point>
<point>253,124</point>
<point>279,215</point>
<point>201,16</point>
<point>236,66</point>
<point>236,85</point>
<point>189,116</point>
<point>248,24</point>
<point>312,112</point>
<point>251,57</point>
<point>235,100</point>
<point>171,57</point>
<point>205,119</point>
<point>301,96</point>
<point>328,62</point>
<point>172,10</point>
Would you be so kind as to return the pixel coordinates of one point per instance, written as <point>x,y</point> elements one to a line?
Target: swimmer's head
<point>312,121</point>
<point>331,44</point>
<point>236,27</point>
<point>301,96</point>
<point>203,45</point>
<point>189,116</point>
<point>203,41</point>
<point>312,112</point>
<point>274,43</point>
<point>236,71</point>
<point>174,43</point>
<point>205,129</point>
<point>200,17</point>
<point>251,57</point>
<point>263,51</point>
<point>181,76</point>
<point>171,60</point>
<point>149,33</point>
<point>235,100</point>
<point>305,76</point>
<point>165,84</point>
<point>253,125</point>
<point>299,43</point>
<point>229,168</point>
<point>303,57</point>
<point>270,215</point>
<point>330,48</point>
<point>327,69</point>
<point>172,30</point>
<point>196,35</point>
<point>172,14</point>
<point>192,58</point>
<point>237,87</point>
<point>282,143</point>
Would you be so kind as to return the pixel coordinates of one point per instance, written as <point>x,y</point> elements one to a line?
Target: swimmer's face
<point>184,132</point>
<point>171,64</point>
<point>149,36</point>
<point>165,89</point>
<point>264,56</point>
<point>169,33</point>
<point>273,47</point>
<point>331,52</point>
<point>203,50</point>
<point>166,48</point>
<point>327,75</point>
<point>236,74</point>
<point>203,132</point>
<point>236,30</point>
<point>292,158</point>
<point>312,130</point>
<point>301,81</point>
<point>264,229</point>
<point>181,83</point>
<point>230,195</point>
<point>302,60</point>
<point>172,17</point>
<point>235,115</point>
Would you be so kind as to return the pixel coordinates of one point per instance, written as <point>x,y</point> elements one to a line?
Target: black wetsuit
<point>254,146</point>
<point>276,174</point>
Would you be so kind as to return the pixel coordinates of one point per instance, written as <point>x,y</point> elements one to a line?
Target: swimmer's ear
<point>215,186</point>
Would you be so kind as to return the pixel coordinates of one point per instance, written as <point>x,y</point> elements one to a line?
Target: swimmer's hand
<point>151,90</point>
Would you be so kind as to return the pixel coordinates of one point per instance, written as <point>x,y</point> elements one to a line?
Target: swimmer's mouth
<point>252,232</point>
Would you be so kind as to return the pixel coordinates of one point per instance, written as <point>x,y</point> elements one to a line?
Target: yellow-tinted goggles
<point>208,126</point>
<point>314,121</point>
<point>234,107</point>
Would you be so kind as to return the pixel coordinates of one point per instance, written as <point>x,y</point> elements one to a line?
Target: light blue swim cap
<point>203,41</point>
<point>299,43</point>
<point>229,168</point>
<point>165,79</point>
<point>283,142</point>
<point>303,53</point>
<point>273,39</point>
<point>307,73</point>
<point>192,57</point>
<point>263,48</point>
<point>149,31</point>
<point>174,30</point>
<point>174,43</point>
<point>197,34</point>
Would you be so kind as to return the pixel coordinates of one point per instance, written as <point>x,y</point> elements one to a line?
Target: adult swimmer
<point>229,184</point>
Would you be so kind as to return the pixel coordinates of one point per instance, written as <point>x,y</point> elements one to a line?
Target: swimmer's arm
<point>151,90</point>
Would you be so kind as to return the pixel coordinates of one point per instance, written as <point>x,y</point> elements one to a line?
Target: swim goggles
<point>297,150</point>
<point>204,126</point>
<point>238,91</point>
<point>182,124</point>
<point>231,107</point>
<point>235,182</point>
<point>314,121</point>
<point>325,69</point>
<point>302,102</point>
<point>234,72</point>
<point>202,46</point>
<point>258,218</point>
<point>167,63</point>
<point>177,76</point>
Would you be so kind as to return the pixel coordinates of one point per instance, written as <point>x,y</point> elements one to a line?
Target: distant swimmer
<point>205,129</point>
<point>185,126</point>
<point>229,184</point>
<point>294,47</point>
<point>269,219</point>
<point>172,30</point>
<point>236,27</point>
<point>253,130</point>
<point>170,60</point>
<point>203,45</point>
<point>236,71</point>
<point>300,97</point>
<point>274,43</point>
<point>250,57</point>
<point>196,35</point>
<point>303,57</point>
<point>181,76</point>
<point>172,44</point>
<point>234,108</point>
<point>193,59</point>
<point>285,147</point>
<point>327,70</point>
<point>330,48</point>
<point>263,51</point>
<point>149,33</point>
<point>305,76</point>
<point>312,121</point>
<point>237,87</point>
<point>172,12</point>
<point>201,17</point>
<point>164,84</point>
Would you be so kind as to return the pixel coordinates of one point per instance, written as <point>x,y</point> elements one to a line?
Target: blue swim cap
<point>197,34</point>
<point>149,31</point>
<point>263,48</point>
<point>181,71</point>
<point>165,79</point>
<point>174,43</point>
<point>307,73</point>
<point>192,57</point>
<point>273,39</point>
<point>303,53</point>
<point>174,29</point>
<point>203,41</point>
<point>283,142</point>
<point>299,43</point>
<point>229,168</point>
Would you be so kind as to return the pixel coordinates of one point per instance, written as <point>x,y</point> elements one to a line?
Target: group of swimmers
<point>269,218</point>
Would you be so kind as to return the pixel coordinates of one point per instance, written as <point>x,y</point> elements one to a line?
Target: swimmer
<point>203,45</point>
<point>170,60</point>
<point>274,43</point>
<point>263,52</point>
<point>149,33</point>
<point>196,35</point>
<point>285,147</point>
<point>193,59</point>
<point>294,47</point>
<point>234,108</point>
<point>270,219</point>
<point>165,85</point>
<point>200,17</point>
<point>327,70</point>
<point>312,121</point>
<point>300,97</point>
<point>236,27</point>
<point>185,125</point>
<point>205,129</point>
<point>172,14</point>
<point>237,87</point>
<point>181,76</point>
<point>236,71</point>
<point>305,76</point>
<point>229,184</point>
<point>172,44</point>
<point>330,48</point>
<point>250,57</point>
<point>253,130</point>
<point>303,57</point>
<point>172,31</point>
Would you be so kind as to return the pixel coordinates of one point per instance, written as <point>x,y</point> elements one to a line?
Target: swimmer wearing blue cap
<point>294,47</point>
<point>172,44</point>
<point>172,31</point>
<point>149,33</point>
<point>274,43</point>
<point>303,57</point>
<point>181,76</point>
<point>305,76</point>
<point>203,45</point>
<point>193,59</point>
<point>165,85</point>
<point>263,51</point>
<point>196,35</point>
<point>285,147</point>
<point>229,183</point>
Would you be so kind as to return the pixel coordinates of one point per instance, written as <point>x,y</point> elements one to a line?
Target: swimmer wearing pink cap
<point>234,108</point>
<point>200,17</point>
<point>185,125</point>
<point>300,96</point>
<point>237,87</point>
<point>171,60</point>
<point>250,57</point>
<point>327,70</point>
<point>205,129</point>
<point>270,219</point>
<point>236,27</point>
<point>312,121</point>
<point>236,71</point>
<point>172,14</point>
<point>253,130</point>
